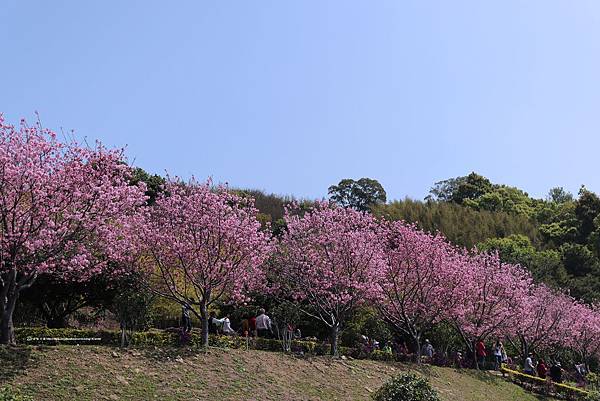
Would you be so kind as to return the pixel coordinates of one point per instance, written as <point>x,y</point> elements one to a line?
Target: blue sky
<point>292,96</point>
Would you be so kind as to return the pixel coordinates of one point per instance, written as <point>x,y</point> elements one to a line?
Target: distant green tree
<point>558,233</point>
<point>271,207</point>
<point>557,238</point>
<point>504,199</point>
<point>594,238</point>
<point>585,288</point>
<point>268,204</point>
<point>587,209</point>
<point>360,195</point>
<point>471,187</point>
<point>547,212</point>
<point>478,192</point>
<point>154,183</point>
<point>559,195</point>
<point>545,266</point>
<point>515,248</point>
<point>463,226</point>
<point>443,191</point>
<point>579,260</point>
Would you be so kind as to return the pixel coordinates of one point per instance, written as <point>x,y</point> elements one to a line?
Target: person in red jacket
<point>542,369</point>
<point>481,354</point>
<point>252,326</point>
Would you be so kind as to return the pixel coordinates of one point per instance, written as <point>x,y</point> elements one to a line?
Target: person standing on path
<point>252,326</point>
<point>542,369</point>
<point>427,350</point>
<point>556,372</point>
<point>263,324</point>
<point>186,321</point>
<point>529,367</point>
<point>498,355</point>
<point>481,354</point>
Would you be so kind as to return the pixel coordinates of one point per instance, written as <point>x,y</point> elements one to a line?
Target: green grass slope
<point>104,373</point>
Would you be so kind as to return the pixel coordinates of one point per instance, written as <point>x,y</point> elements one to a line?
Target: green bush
<point>406,387</point>
<point>10,394</point>
<point>592,396</point>
<point>43,335</point>
<point>379,355</point>
<point>593,380</point>
<point>156,338</point>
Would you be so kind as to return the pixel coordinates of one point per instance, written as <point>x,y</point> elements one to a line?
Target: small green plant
<point>379,355</point>
<point>592,396</point>
<point>9,394</point>
<point>406,387</point>
<point>593,381</point>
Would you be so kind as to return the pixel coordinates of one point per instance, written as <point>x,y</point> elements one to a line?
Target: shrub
<point>592,396</point>
<point>593,380</point>
<point>379,355</point>
<point>10,394</point>
<point>156,338</point>
<point>43,335</point>
<point>406,387</point>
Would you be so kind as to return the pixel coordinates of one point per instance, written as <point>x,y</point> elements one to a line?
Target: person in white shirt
<point>263,324</point>
<point>498,348</point>
<point>227,326</point>
<point>224,324</point>
<point>529,366</point>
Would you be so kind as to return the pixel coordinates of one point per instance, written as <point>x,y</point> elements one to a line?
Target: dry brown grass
<point>104,373</point>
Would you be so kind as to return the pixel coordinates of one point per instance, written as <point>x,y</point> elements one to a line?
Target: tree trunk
<point>124,334</point>
<point>418,350</point>
<point>525,350</point>
<point>7,329</point>
<point>287,339</point>
<point>334,339</point>
<point>476,356</point>
<point>205,322</point>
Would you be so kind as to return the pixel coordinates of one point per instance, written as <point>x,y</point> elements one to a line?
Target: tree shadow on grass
<point>14,361</point>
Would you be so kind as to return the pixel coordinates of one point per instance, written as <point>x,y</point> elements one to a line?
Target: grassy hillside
<point>103,373</point>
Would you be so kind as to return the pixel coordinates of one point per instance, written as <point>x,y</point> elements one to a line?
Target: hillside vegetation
<point>104,373</point>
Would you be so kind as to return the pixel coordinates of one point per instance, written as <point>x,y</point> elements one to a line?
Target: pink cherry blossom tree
<point>63,209</point>
<point>585,331</point>
<point>544,322</point>
<point>492,296</point>
<point>201,245</point>
<point>330,260</point>
<point>419,285</point>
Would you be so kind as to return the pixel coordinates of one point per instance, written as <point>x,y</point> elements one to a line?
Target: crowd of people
<point>251,326</point>
<point>532,366</point>
<point>537,367</point>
